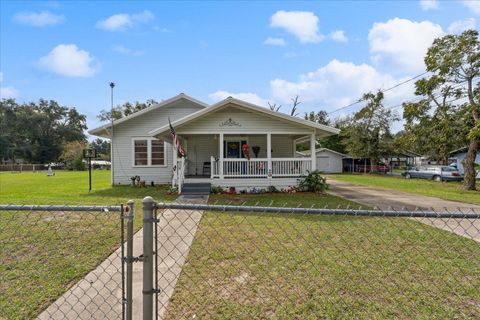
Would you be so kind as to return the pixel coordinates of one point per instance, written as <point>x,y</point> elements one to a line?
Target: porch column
<point>313,152</point>
<point>269,154</point>
<point>220,158</point>
<point>174,165</point>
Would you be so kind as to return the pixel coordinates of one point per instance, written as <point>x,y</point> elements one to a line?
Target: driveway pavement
<point>387,198</point>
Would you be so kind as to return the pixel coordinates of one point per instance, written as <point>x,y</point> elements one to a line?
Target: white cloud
<point>473,5</point>
<point>245,96</point>
<point>461,25</point>
<point>339,36</point>
<point>429,4</point>
<point>402,42</point>
<point>68,60</point>
<point>8,92</point>
<point>275,41</point>
<point>38,19</point>
<point>125,50</point>
<point>302,24</point>
<point>123,21</point>
<point>338,84</point>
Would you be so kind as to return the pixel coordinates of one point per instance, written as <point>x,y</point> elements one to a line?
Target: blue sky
<point>328,53</point>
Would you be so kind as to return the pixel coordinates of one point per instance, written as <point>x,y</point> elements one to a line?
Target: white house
<point>215,138</point>
<point>459,155</point>
<point>329,161</point>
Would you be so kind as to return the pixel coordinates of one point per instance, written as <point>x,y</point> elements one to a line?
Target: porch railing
<point>258,168</point>
<point>291,167</point>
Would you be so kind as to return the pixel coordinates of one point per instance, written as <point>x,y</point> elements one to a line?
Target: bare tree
<point>274,107</point>
<point>295,102</point>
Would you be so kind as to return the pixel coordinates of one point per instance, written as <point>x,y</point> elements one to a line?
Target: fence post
<point>130,259</point>
<point>148,205</point>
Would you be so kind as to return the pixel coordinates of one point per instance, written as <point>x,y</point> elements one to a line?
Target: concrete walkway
<point>99,294</point>
<point>387,198</point>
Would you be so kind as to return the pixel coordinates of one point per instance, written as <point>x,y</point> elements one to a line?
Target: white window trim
<point>149,153</point>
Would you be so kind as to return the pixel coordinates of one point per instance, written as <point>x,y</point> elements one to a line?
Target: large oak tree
<point>454,64</point>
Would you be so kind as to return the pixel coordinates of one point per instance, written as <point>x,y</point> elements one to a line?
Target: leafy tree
<point>124,110</point>
<point>37,131</point>
<point>454,61</point>
<point>434,125</point>
<point>72,155</point>
<point>368,133</point>
<point>320,117</point>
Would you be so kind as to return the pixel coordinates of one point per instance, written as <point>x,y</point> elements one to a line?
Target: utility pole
<point>112,85</point>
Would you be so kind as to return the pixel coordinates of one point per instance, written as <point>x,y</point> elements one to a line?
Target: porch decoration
<point>256,150</point>
<point>230,123</point>
<point>246,151</point>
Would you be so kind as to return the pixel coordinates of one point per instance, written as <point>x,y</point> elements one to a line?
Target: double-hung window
<point>148,152</point>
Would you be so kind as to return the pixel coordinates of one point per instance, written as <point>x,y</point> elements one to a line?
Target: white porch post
<point>269,154</point>
<point>174,166</point>
<point>220,158</point>
<point>313,152</point>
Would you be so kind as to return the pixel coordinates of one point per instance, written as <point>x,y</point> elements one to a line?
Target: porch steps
<point>200,188</point>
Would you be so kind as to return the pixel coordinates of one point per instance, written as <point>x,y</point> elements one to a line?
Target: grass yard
<point>71,187</point>
<point>44,253</point>
<point>443,190</point>
<point>281,266</point>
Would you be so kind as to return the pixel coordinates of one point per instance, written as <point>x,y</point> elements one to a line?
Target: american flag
<point>176,141</point>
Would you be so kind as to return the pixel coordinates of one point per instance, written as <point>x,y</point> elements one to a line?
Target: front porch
<point>220,159</point>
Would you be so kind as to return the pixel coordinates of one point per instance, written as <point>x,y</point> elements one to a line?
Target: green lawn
<point>285,266</point>
<point>43,253</point>
<point>443,190</point>
<point>71,187</point>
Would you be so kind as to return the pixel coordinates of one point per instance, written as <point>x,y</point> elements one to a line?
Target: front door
<point>233,149</point>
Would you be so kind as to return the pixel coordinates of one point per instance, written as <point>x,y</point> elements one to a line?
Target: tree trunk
<point>469,166</point>
<point>373,165</point>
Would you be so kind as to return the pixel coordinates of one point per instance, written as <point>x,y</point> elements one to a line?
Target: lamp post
<point>112,85</point>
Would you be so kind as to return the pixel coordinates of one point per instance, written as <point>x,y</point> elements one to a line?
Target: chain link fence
<point>61,262</point>
<point>199,261</point>
<point>243,262</point>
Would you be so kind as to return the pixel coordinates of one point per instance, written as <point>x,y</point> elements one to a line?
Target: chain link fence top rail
<point>239,262</point>
<point>60,262</point>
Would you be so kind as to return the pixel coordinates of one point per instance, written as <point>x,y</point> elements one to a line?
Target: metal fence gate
<point>197,261</point>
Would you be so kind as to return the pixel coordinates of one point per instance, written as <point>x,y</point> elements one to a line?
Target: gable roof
<point>307,152</point>
<point>460,150</point>
<point>249,107</point>
<point>164,103</point>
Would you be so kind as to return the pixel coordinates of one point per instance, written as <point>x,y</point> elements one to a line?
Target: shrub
<point>272,189</point>
<point>313,182</point>
<point>217,190</point>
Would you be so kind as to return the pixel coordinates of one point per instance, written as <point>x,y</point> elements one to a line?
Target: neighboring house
<point>458,157</point>
<point>214,138</point>
<point>328,160</point>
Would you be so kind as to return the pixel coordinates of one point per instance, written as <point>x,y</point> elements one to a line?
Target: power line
<point>383,91</point>
<point>433,96</point>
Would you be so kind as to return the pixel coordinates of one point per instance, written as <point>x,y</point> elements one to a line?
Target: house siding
<point>460,158</point>
<point>139,127</point>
